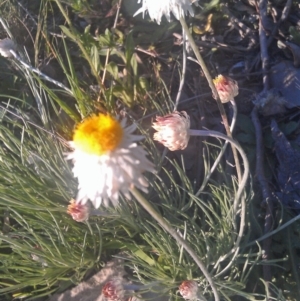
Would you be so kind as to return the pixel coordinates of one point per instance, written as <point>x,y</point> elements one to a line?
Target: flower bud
<point>113,290</point>
<point>173,130</point>
<point>189,289</point>
<point>227,88</point>
<point>79,212</point>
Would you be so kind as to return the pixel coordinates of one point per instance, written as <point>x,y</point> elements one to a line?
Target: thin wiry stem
<point>217,161</point>
<point>183,71</point>
<point>242,153</point>
<point>41,74</point>
<point>238,196</point>
<point>291,221</point>
<point>203,66</point>
<point>165,225</point>
<point>215,93</point>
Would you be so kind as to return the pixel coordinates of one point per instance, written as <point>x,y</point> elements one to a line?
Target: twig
<point>219,45</point>
<point>268,199</point>
<point>284,15</point>
<point>262,7</point>
<point>259,156</point>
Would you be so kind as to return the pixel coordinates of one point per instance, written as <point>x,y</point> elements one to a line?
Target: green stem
<point>217,161</point>
<point>214,91</point>
<point>165,225</point>
<point>242,153</point>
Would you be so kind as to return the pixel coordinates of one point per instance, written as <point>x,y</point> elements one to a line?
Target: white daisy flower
<point>107,161</point>
<point>173,130</point>
<point>158,8</point>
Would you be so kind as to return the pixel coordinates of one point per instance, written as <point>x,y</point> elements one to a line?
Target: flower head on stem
<point>173,130</point>
<point>107,160</point>
<point>227,88</point>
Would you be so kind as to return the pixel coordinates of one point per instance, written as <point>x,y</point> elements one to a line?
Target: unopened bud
<point>227,88</point>
<point>113,290</point>
<point>79,212</point>
<point>189,289</point>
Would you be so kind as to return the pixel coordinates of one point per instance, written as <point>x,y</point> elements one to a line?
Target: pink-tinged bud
<point>227,88</point>
<point>78,211</point>
<point>113,290</point>
<point>189,289</point>
<point>173,130</point>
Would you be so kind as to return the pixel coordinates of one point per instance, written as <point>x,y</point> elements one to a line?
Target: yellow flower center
<point>220,79</point>
<point>98,134</point>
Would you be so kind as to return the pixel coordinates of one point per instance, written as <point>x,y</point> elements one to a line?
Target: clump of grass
<point>40,244</point>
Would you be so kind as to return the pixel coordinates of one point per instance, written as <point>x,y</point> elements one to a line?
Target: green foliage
<point>122,69</point>
<point>205,223</point>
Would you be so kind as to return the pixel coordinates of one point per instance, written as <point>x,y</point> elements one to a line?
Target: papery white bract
<point>173,130</point>
<point>107,160</point>
<point>158,8</point>
<point>5,46</point>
